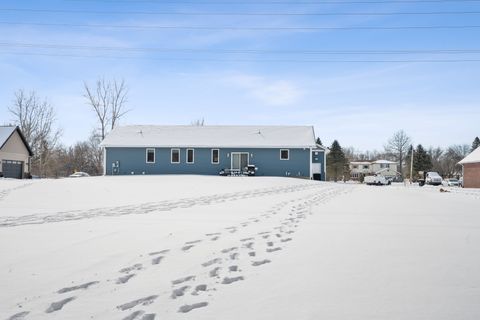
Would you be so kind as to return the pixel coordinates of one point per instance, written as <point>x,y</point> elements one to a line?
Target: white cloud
<point>268,91</point>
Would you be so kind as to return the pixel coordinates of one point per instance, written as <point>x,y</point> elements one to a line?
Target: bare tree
<point>198,123</point>
<point>36,118</point>
<point>119,99</point>
<point>437,156</point>
<point>108,100</point>
<point>397,146</point>
<point>95,154</point>
<point>452,156</point>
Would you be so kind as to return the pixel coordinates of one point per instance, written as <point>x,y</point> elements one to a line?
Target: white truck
<point>431,178</point>
<point>376,180</point>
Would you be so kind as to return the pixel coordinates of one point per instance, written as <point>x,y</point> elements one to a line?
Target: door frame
<point>239,153</point>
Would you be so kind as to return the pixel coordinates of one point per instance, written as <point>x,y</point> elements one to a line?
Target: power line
<point>278,2</point>
<point>247,60</point>
<point>241,13</point>
<point>240,51</point>
<point>255,28</point>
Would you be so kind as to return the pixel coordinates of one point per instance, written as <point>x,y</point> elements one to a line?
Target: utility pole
<point>411,165</point>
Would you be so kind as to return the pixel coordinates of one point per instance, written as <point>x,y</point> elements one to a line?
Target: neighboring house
<point>365,168</point>
<point>471,169</point>
<point>274,150</point>
<point>15,153</point>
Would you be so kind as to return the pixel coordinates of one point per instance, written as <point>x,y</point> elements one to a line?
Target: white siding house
<point>383,167</point>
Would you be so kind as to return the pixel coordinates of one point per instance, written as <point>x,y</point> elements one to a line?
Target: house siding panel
<point>267,160</point>
<point>471,175</point>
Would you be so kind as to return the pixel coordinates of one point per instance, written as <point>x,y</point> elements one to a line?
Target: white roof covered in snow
<point>473,157</point>
<point>371,162</point>
<point>384,161</point>
<point>5,133</point>
<point>211,136</point>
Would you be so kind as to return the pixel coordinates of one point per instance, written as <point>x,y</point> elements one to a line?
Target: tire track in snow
<point>4,193</point>
<point>10,221</point>
<point>229,264</point>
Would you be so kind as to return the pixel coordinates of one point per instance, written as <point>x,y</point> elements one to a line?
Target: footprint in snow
<point>228,280</point>
<point>137,266</point>
<point>248,245</point>
<point>193,242</point>
<point>55,306</point>
<point>187,247</point>
<point>214,272</point>
<point>157,260</point>
<point>182,280</point>
<point>199,288</point>
<point>210,262</point>
<point>229,249</point>
<point>81,286</point>
<point>273,249</point>
<point>259,263</point>
<point>189,307</point>
<point>144,301</point>
<point>134,315</point>
<point>213,234</point>
<point>125,279</point>
<point>179,292</point>
<point>159,252</point>
<point>19,316</point>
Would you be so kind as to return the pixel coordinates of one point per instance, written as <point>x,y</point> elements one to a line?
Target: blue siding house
<point>207,150</point>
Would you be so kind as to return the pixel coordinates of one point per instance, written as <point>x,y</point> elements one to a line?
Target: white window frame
<point>211,156</point>
<point>193,156</point>
<point>154,155</point>
<point>171,155</point>
<point>288,154</point>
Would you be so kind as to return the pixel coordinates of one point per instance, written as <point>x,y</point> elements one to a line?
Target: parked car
<point>431,178</point>
<point>79,174</point>
<point>377,180</point>
<point>452,182</point>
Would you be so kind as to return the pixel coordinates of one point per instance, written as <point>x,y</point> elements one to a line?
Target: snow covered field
<point>191,247</point>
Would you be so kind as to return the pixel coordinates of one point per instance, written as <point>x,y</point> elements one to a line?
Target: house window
<point>365,166</point>
<point>150,156</point>
<point>355,166</point>
<point>175,156</point>
<point>284,154</point>
<point>215,156</point>
<point>190,156</point>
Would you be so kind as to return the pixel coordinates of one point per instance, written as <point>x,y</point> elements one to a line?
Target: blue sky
<point>195,76</point>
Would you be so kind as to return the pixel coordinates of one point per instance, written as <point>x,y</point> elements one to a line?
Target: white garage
<point>15,153</point>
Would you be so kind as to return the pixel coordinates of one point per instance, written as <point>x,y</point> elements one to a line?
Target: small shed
<point>15,153</point>
<point>471,169</point>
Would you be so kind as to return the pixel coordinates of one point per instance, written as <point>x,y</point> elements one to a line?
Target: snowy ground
<point>188,247</point>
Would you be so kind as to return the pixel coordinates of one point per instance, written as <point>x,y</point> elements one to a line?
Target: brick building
<point>471,169</point>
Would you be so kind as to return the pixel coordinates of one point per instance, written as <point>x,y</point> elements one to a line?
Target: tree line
<point>36,117</point>
<point>399,148</point>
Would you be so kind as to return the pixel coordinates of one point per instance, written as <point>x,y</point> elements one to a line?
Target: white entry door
<point>316,168</point>
<point>239,160</point>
